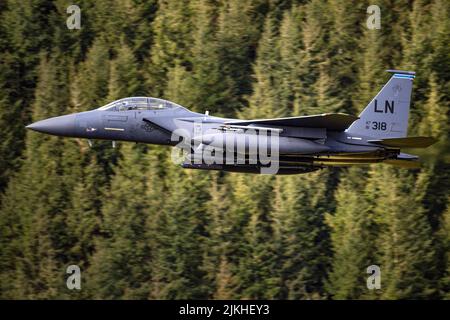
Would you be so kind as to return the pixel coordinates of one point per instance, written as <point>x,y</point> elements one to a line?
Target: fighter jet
<point>294,144</point>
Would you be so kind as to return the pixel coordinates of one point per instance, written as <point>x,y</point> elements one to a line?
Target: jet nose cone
<point>58,126</point>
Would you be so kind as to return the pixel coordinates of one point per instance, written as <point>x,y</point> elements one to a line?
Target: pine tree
<point>405,242</point>
<point>291,55</point>
<point>435,122</point>
<point>256,270</point>
<point>11,143</point>
<point>121,264</point>
<point>171,44</point>
<point>371,73</point>
<point>265,101</point>
<point>39,196</point>
<point>313,51</point>
<point>138,26</point>
<point>216,265</point>
<point>177,85</point>
<point>88,89</point>
<point>206,88</point>
<point>84,217</point>
<point>439,60</point>
<point>238,33</point>
<point>180,240</point>
<point>326,98</point>
<point>128,20</point>
<point>112,22</point>
<point>343,38</point>
<point>416,43</point>
<point>24,31</point>
<point>124,79</point>
<point>301,234</point>
<point>225,282</point>
<point>352,236</point>
<point>445,236</point>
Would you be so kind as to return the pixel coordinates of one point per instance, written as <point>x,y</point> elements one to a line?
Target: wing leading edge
<point>329,121</point>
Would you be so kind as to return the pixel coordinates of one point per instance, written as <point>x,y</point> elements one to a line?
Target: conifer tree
<point>179,245</point>
<point>445,236</point>
<point>24,32</point>
<point>124,79</point>
<point>124,252</point>
<point>236,249</point>
<point>353,238</point>
<point>172,38</point>
<point>439,60</point>
<point>265,101</point>
<point>435,120</point>
<point>405,241</point>
<point>84,217</point>
<point>90,83</point>
<point>313,51</point>
<point>371,75</point>
<point>256,270</point>
<point>225,282</point>
<point>301,234</point>
<point>39,265</point>
<point>291,58</point>
<point>206,86</point>
<point>343,37</point>
<point>238,33</point>
<point>177,86</point>
<point>218,227</point>
<point>416,43</point>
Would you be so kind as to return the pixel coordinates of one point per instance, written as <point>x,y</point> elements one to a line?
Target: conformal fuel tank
<point>245,143</point>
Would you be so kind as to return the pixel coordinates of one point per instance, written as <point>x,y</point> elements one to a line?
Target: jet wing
<point>330,121</point>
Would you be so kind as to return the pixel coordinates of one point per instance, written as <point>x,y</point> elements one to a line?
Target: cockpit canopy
<point>139,103</point>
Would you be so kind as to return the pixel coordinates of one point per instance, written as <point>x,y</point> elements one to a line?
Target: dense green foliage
<point>140,227</point>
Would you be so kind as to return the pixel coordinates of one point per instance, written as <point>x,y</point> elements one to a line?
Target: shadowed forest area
<point>141,227</point>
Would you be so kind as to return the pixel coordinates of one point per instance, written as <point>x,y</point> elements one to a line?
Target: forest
<point>141,227</point>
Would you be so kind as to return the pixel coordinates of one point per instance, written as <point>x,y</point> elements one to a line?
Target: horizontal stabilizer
<point>412,73</point>
<point>407,156</point>
<point>330,121</point>
<point>409,142</point>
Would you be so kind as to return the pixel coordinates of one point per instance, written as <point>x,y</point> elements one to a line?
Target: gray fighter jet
<point>295,144</point>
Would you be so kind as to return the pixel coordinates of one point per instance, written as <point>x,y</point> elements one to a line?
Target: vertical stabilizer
<point>386,116</point>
